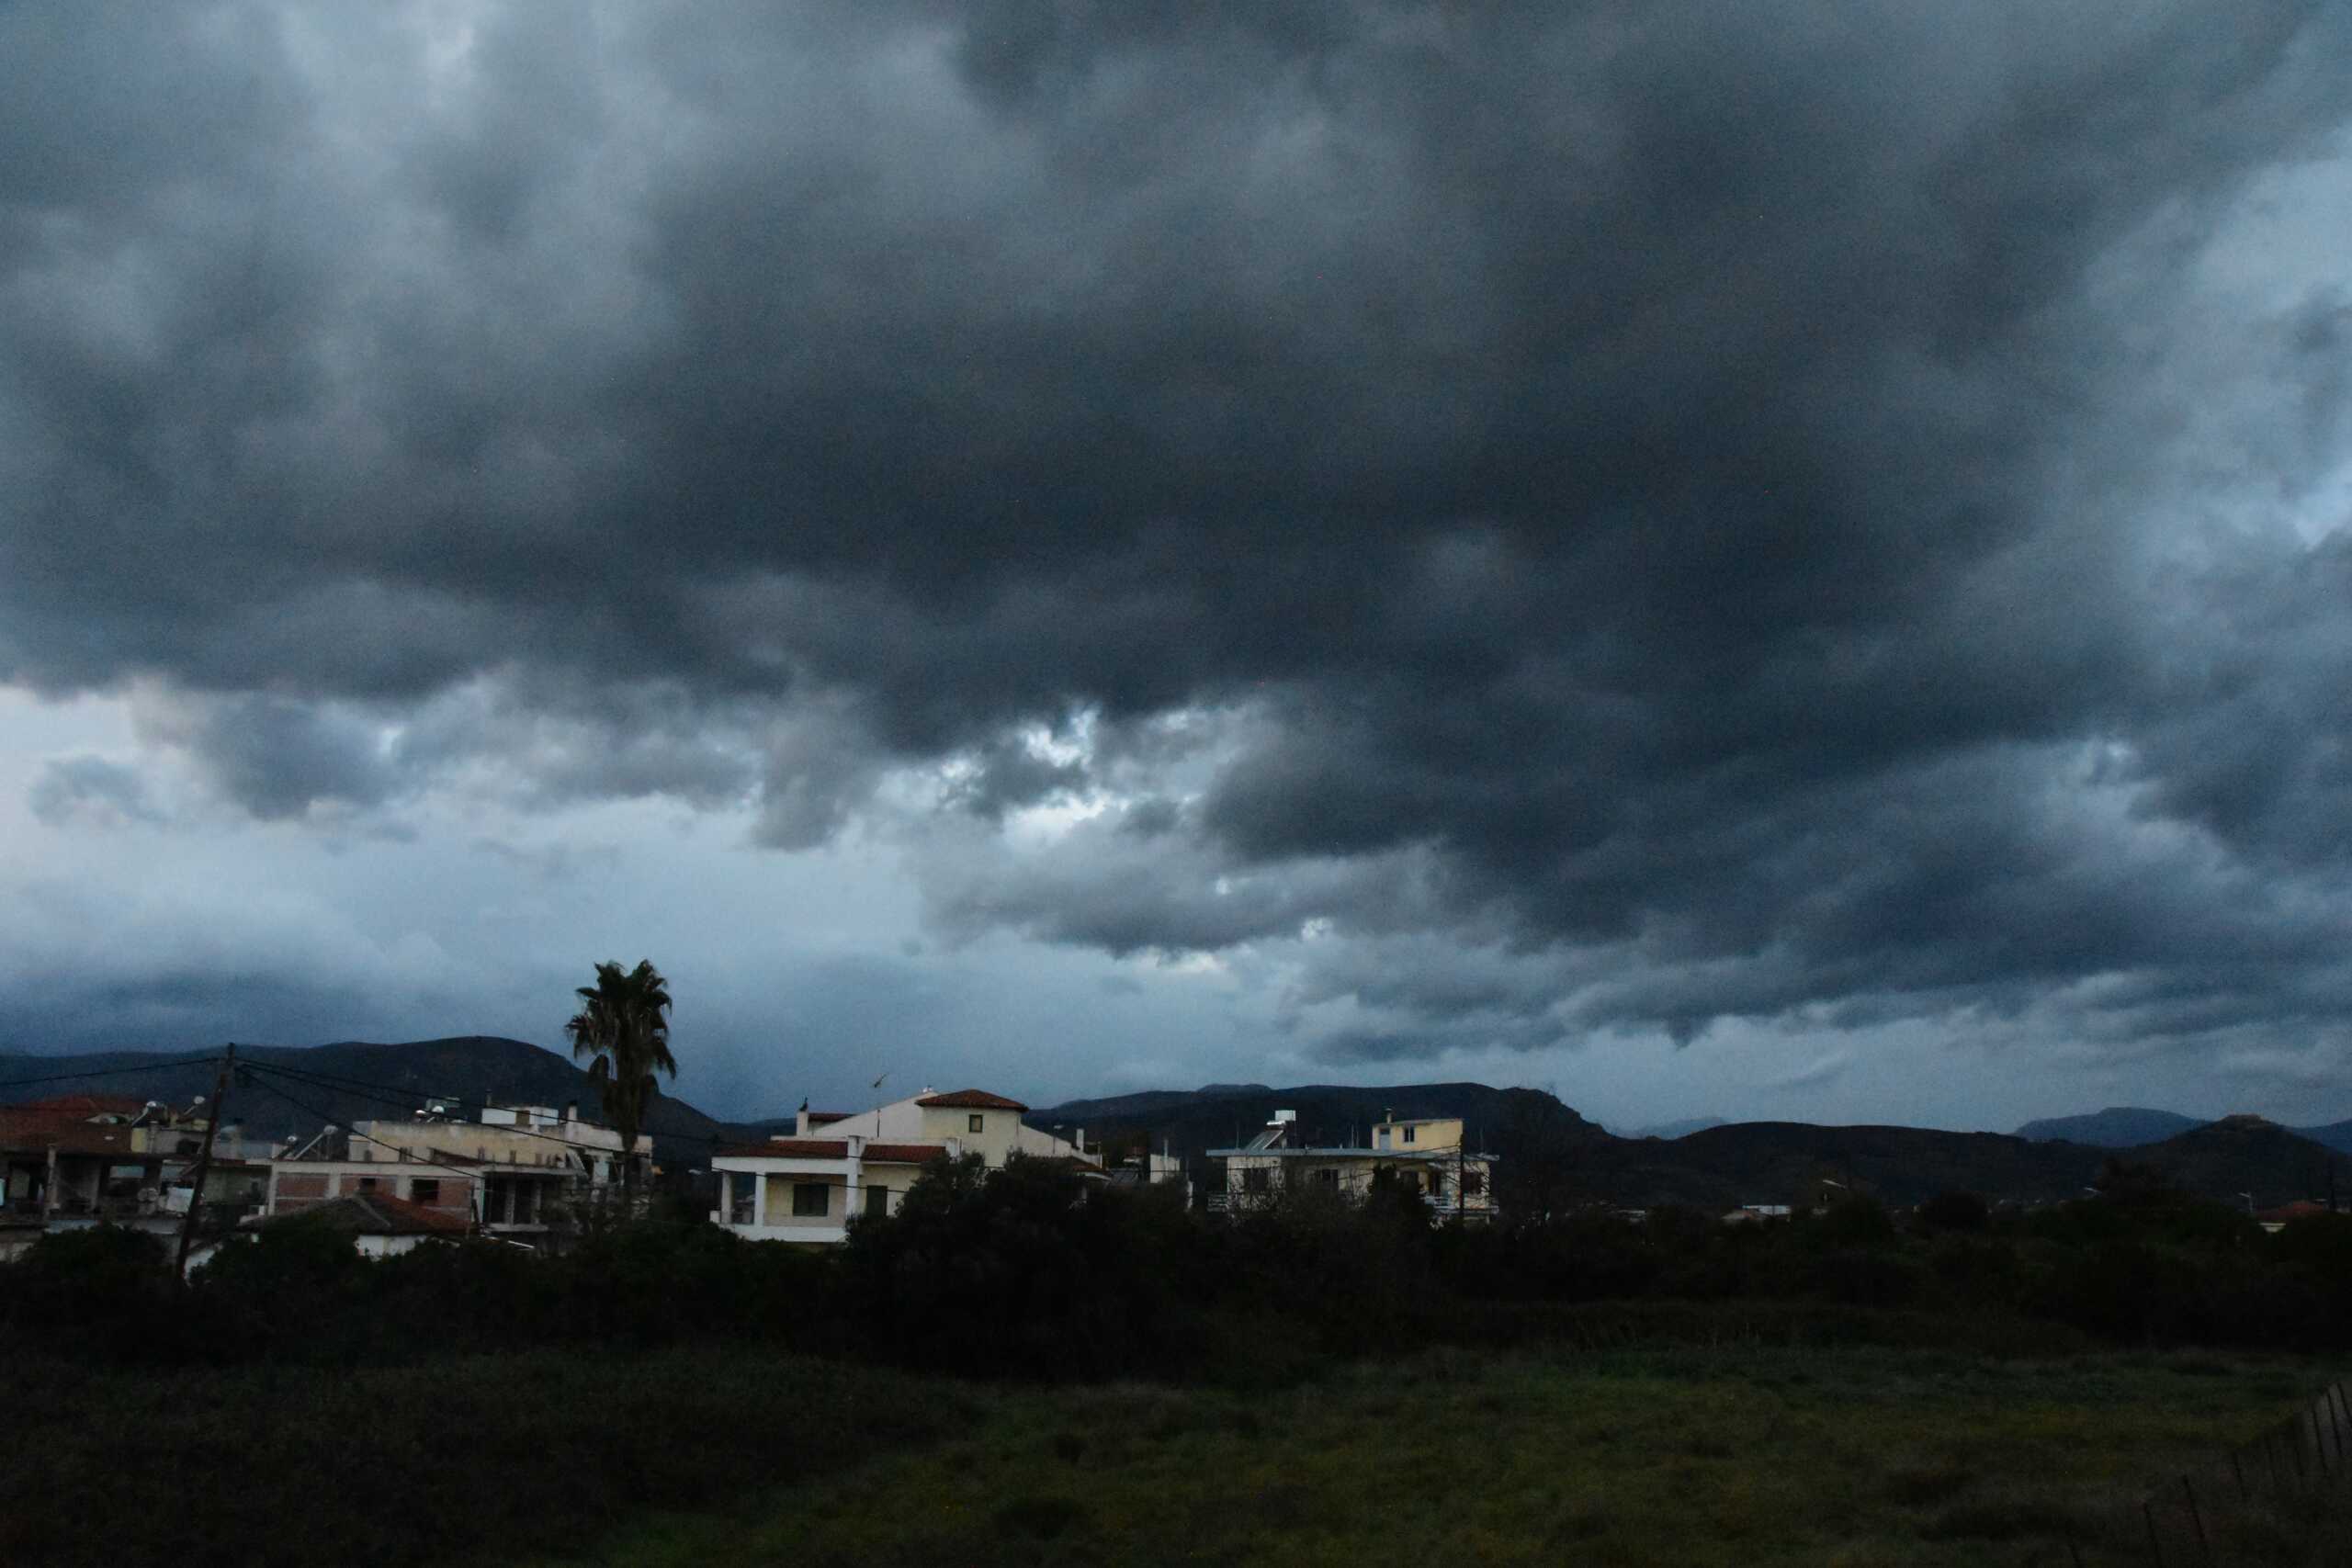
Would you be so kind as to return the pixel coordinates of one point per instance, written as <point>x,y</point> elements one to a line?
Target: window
<point>1474,1182</point>
<point>809,1202</point>
<point>1408,1134</point>
<point>424,1189</point>
<point>1327,1177</point>
<point>1255,1180</point>
<point>974,1122</point>
<point>366,1184</point>
<point>877,1202</point>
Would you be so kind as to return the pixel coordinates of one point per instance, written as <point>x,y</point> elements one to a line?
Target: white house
<point>807,1185</point>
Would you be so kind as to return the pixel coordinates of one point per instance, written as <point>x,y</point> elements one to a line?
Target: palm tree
<point>622,1025</point>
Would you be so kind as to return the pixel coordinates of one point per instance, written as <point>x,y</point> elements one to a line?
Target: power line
<point>114,1072</point>
<point>470,1169</point>
<point>409,1099</point>
<point>346,1126</point>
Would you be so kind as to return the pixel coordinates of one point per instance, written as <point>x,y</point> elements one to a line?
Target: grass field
<point>1689,1456</point>
<point>1738,1453</point>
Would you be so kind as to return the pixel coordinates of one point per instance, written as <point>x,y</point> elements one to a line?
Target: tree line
<point>1028,1272</point>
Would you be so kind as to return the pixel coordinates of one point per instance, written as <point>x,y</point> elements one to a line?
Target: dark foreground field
<point>1745,1451</point>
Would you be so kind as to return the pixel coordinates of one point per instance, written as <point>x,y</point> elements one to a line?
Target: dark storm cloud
<point>1665,512</point>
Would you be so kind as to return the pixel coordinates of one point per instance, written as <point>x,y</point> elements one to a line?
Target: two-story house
<point>805,1186</point>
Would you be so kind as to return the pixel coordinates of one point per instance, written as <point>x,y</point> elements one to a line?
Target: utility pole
<point>204,1159</point>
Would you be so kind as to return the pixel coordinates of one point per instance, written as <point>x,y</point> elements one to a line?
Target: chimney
<point>571,1111</point>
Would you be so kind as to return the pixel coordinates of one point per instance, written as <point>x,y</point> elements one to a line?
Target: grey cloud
<point>274,757</point>
<point>1822,1069</point>
<point>1703,505</point>
<point>91,788</point>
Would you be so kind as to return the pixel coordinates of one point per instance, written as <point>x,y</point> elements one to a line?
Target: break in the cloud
<point>1519,524</point>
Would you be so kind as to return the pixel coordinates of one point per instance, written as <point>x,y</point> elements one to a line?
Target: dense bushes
<point>1024,1272</point>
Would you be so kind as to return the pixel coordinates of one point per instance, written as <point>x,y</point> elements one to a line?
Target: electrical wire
<point>470,1169</point>
<point>114,1072</point>
<point>411,1100</point>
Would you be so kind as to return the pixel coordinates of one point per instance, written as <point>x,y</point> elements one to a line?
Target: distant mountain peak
<point>2116,1127</point>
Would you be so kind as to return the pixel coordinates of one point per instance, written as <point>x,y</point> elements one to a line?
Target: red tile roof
<point>378,1214</point>
<point>969,1099</point>
<point>785,1148</point>
<point>905,1154</point>
<point>831,1148</point>
<point>39,1131</point>
<point>85,1105</point>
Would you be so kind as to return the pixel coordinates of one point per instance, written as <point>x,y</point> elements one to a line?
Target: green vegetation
<point>1744,1451</point>
<point>1019,1369</point>
<point>445,1460</point>
<point>1744,1454</point>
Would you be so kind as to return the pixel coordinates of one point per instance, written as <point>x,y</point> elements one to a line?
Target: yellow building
<point>1429,1157</point>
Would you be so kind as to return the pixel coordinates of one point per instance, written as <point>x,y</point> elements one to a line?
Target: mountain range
<point>1716,1166</point>
<point>2133,1126</point>
<point>1545,1146</point>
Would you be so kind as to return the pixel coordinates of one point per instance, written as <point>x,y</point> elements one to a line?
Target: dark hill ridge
<point>1681,1129</point>
<point>1545,1145</point>
<point>386,1081</point>
<point>1221,1115</point>
<point>2132,1127</point>
<point>1794,1163</point>
<point>2239,1156</point>
<point>1751,1162</point>
<point>2117,1127</point>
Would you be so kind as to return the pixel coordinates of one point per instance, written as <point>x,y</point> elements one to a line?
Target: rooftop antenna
<point>877,1085</point>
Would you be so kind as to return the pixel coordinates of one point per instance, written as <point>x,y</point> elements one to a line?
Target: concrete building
<point>807,1185</point>
<point>520,1172</point>
<point>1429,1156</point>
<point>73,1161</point>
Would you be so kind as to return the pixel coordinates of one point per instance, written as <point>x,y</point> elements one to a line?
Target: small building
<point>2279,1219</point>
<point>808,1185</point>
<point>335,1166</point>
<point>1429,1156</point>
<point>1154,1169</point>
<point>380,1226</point>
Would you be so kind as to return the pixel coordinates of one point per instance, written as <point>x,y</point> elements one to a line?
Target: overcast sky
<point>1757,559</point>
